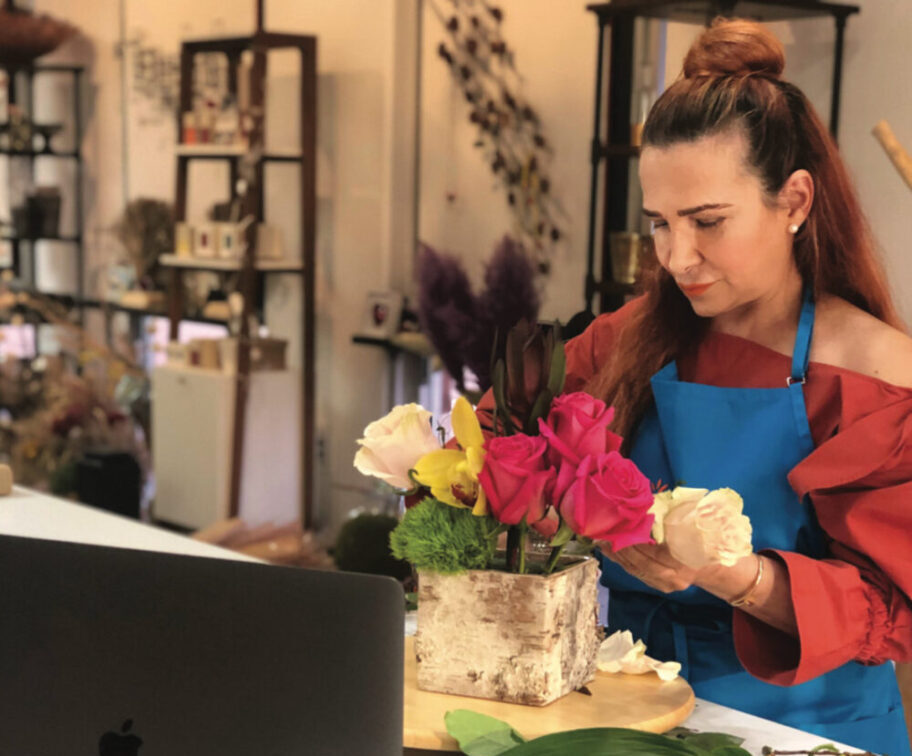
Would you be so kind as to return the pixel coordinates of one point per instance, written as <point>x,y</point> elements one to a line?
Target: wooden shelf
<point>239,44</point>
<point>40,153</point>
<point>216,264</point>
<point>231,152</point>
<point>210,150</point>
<point>43,68</point>
<point>412,343</point>
<point>252,197</point>
<point>698,11</point>
<point>72,300</point>
<point>14,238</point>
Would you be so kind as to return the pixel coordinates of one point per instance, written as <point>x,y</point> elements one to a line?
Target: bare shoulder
<point>848,337</point>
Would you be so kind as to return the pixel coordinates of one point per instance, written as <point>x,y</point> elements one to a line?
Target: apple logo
<point>123,743</point>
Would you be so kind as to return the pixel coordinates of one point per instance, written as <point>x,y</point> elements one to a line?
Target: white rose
<point>393,444</point>
<point>709,530</point>
<point>665,501</point>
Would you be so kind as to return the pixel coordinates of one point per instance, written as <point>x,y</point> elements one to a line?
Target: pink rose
<point>609,500</point>
<point>577,427</point>
<point>516,478</point>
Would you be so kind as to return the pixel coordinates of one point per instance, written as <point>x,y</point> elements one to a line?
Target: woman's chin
<point>705,309</point>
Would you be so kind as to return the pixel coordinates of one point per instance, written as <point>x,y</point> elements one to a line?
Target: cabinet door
<point>191,444</point>
<point>271,471</point>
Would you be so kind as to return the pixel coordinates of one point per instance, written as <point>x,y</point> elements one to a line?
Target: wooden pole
<point>901,159</point>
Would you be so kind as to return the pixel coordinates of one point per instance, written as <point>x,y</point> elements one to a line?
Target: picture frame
<point>382,314</point>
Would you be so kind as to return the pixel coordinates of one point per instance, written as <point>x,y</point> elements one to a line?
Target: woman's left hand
<point>654,565</point>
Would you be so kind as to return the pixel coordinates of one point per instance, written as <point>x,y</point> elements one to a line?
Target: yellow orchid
<point>452,474</point>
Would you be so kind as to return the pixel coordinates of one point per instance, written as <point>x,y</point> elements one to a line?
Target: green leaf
<point>605,741</point>
<point>563,535</point>
<point>500,399</point>
<point>708,741</point>
<point>473,396</point>
<point>558,369</point>
<point>825,748</point>
<point>479,734</point>
<point>540,409</point>
<point>729,750</point>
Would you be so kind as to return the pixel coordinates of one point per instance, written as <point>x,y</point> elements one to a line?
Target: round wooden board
<point>642,702</point>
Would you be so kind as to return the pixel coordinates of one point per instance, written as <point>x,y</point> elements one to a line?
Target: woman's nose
<point>682,253</point>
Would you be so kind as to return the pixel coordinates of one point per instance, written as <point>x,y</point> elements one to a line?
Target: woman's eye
<point>708,224</point>
<point>658,224</point>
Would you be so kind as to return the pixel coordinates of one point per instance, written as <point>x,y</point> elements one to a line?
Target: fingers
<point>654,566</point>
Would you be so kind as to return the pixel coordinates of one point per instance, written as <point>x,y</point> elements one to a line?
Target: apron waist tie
<point>665,623</point>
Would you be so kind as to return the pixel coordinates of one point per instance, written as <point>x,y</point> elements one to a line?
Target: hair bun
<point>732,47</point>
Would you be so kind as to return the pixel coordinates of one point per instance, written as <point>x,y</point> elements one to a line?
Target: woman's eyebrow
<point>689,210</point>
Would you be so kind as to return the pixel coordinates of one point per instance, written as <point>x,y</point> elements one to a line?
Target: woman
<point>766,356</point>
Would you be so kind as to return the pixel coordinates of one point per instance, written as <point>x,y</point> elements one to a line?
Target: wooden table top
<point>642,702</point>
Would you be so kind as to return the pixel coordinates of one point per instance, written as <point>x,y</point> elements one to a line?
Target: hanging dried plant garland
<point>510,133</point>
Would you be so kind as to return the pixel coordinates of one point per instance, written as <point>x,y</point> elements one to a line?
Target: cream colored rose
<point>708,530</point>
<point>393,444</point>
<point>664,502</point>
<point>618,653</point>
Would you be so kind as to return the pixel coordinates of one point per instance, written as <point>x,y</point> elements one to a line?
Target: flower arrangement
<point>545,462</point>
<point>550,465</point>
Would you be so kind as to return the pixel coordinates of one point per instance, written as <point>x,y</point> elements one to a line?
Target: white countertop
<point>34,515</point>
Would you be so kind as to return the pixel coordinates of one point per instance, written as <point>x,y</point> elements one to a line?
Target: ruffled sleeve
<point>854,604</point>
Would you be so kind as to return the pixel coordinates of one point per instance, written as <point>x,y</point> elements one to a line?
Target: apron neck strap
<point>802,349</point>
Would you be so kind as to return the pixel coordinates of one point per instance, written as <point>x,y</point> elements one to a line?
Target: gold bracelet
<point>747,598</point>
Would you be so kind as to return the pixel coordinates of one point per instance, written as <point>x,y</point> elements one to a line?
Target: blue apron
<point>747,439</point>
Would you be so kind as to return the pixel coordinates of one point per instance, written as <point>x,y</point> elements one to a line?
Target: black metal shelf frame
<point>28,73</point>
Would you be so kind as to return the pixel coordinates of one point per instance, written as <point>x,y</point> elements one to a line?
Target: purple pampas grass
<point>509,296</point>
<point>446,308</point>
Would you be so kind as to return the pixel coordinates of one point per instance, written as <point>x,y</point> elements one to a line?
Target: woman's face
<point>724,246</point>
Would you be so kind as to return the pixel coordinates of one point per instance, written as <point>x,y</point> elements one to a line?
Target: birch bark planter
<point>526,639</point>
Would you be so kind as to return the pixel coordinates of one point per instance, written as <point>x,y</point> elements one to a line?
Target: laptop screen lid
<point>120,652</point>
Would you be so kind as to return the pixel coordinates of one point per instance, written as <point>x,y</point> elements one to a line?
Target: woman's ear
<point>797,196</point>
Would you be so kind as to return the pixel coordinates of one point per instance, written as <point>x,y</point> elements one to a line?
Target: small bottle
<point>188,128</point>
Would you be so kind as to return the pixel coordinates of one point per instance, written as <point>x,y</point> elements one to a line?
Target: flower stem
<point>522,548</point>
<point>512,540</point>
<point>552,560</point>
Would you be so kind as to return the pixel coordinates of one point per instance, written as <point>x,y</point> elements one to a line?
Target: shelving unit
<point>250,269</point>
<point>24,97</point>
<point>614,148</point>
<point>216,264</point>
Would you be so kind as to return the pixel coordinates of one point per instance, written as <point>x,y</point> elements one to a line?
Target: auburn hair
<point>731,80</point>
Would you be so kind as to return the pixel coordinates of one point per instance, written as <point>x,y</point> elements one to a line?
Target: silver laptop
<point>116,652</point>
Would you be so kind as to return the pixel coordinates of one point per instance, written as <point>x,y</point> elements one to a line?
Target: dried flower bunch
<point>465,328</point>
<point>510,132</point>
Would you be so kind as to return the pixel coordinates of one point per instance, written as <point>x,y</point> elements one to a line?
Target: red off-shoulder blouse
<point>854,604</point>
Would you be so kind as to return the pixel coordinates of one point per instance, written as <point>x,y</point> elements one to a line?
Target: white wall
<point>878,84</point>
<point>554,44</point>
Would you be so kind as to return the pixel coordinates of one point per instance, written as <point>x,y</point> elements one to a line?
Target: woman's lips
<point>695,290</point>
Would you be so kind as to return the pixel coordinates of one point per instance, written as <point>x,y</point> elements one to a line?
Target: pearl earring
<point>793,228</point>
